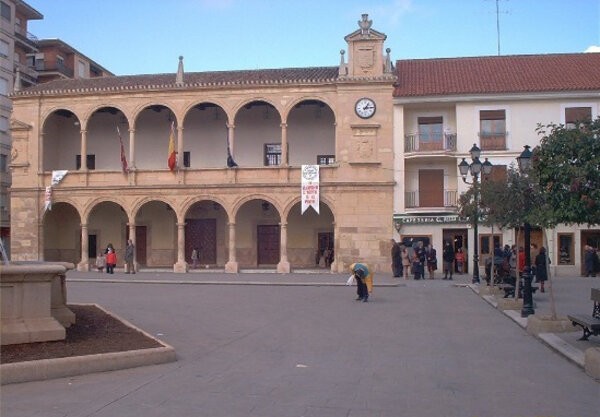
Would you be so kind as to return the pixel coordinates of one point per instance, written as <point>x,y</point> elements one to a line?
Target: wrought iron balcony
<point>411,200</point>
<point>415,142</point>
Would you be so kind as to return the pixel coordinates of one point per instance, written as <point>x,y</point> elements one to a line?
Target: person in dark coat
<point>448,258</point>
<point>541,275</point>
<point>431,260</point>
<point>589,260</point>
<point>396,259</point>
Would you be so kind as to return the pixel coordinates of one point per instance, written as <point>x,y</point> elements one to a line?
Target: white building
<point>444,106</point>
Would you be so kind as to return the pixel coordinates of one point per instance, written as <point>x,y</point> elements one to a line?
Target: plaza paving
<point>299,345</point>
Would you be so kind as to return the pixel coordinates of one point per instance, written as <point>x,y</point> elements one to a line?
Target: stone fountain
<point>33,297</point>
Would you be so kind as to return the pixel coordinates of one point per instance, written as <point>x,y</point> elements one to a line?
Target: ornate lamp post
<point>475,168</point>
<point>524,161</point>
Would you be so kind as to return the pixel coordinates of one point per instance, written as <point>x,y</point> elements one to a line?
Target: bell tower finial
<point>179,78</point>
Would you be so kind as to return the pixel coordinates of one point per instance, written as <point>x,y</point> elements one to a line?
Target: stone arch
<point>156,233</point>
<point>62,233</point>
<point>89,206</point>
<point>243,200</point>
<point>153,126</point>
<point>140,108</point>
<point>205,135</point>
<point>297,100</point>
<point>135,207</point>
<point>206,231</point>
<point>61,137</point>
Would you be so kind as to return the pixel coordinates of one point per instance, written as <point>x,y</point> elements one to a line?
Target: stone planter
<point>592,362</point>
<point>537,324</point>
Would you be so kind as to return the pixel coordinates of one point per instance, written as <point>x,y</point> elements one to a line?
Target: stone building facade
<point>271,123</point>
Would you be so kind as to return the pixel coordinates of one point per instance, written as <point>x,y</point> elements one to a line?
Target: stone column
<point>131,149</point>
<point>232,266</point>
<point>181,266</point>
<point>83,166</point>
<point>84,265</point>
<point>231,132</point>
<point>284,145</point>
<point>132,237</point>
<point>179,147</point>
<point>283,266</point>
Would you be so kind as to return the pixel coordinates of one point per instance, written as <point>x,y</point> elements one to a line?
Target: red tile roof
<point>191,79</point>
<point>498,75</point>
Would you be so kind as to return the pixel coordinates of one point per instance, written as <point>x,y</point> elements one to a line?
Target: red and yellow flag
<point>172,156</point>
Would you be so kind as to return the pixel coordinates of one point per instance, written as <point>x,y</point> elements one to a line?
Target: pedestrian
<point>101,262</point>
<point>111,261</point>
<point>364,280</point>
<point>129,252</point>
<point>541,274</point>
<point>195,258</point>
<point>405,255</point>
<point>396,259</point>
<point>460,260</point>
<point>448,259</point>
<point>590,258</point>
<point>419,261</point>
<point>431,260</point>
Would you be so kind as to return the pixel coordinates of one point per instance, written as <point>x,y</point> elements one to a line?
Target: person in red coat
<point>111,261</point>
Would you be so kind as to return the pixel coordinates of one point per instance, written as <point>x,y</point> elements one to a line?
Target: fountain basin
<point>33,302</point>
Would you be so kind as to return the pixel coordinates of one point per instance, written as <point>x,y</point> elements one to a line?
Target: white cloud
<point>593,48</point>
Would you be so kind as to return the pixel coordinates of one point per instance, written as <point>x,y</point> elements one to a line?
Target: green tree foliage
<point>566,165</point>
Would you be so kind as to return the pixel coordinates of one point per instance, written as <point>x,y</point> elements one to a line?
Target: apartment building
<point>15,44</point>
<point>444,106</point>
<point>26,61</point>
<point>273,167</point>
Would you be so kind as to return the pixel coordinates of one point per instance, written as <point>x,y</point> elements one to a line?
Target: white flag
<point>57,176</point>
<point>48,199</point>
<point>310,187</point>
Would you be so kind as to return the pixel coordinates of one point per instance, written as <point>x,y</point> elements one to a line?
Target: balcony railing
<point>415,142</point>
<point>411,199</point>
<point>493,141</point>
<point>41,66</point>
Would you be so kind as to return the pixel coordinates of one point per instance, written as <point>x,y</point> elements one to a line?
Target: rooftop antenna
<point>498,23</point>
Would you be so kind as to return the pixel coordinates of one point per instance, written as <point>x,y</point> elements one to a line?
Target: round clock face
<point>365,108</point>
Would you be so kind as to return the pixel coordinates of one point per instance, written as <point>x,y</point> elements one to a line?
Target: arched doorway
<point>62,234</point>
<point>258,234</point>
<point>311,240</point>
<point>206,231</point>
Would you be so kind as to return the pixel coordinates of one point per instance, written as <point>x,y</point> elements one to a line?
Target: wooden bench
<point>589,323</point>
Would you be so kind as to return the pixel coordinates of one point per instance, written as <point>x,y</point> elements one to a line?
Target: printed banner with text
<point>310,187</point>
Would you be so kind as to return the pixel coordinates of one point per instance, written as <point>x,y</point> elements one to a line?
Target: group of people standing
<point>418,258</point>
<point>108,259</point>
<point>509,263</point>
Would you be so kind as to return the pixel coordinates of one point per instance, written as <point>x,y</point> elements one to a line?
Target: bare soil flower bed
<point>94,332</point>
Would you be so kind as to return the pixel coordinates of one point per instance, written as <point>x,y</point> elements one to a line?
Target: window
<point>186,159</point>
<point>431,133</point>
<point>487,243</point>
<point>499,173</point>
<point>4,48</point>
<point>60,62</point>
<point>91,161</point>
<point>81,69</point>
<point>325,159</point>
<point>5,11</point>
<point>272,154</point>
<point>3,163</point>
<point>3,86</point>
<point>492,131</point>
<point>3,124</point>
<point>576,115</point>
<point>566,248</point>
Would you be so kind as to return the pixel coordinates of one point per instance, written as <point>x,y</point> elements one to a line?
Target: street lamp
<point>524,161</point>
<point>475,168</point>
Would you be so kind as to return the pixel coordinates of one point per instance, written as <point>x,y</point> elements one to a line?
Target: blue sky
<point>147,36</point>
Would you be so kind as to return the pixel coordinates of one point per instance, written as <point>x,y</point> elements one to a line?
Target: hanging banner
<point>310,187</point>
<point>57,176</point>
<point>48,199</point>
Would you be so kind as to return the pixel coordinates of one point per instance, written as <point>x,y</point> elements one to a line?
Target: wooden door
<point>201,234</point>
<point>268,244</point>
<point>431,188</point>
